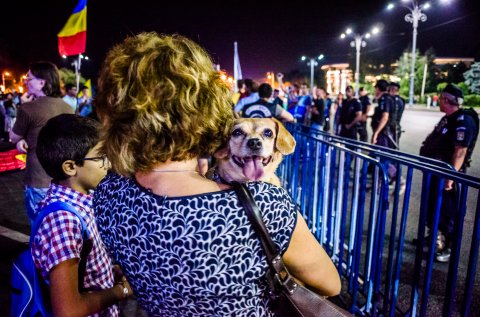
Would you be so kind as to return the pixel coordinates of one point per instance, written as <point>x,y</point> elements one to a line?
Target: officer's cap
<point>381,84</point>
<point>453,90</point>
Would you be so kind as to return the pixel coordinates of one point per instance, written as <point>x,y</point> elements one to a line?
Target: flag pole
<point>237,70</point>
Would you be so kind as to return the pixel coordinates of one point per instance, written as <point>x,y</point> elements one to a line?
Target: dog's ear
<point>285,143</point>
<point>221,153</point>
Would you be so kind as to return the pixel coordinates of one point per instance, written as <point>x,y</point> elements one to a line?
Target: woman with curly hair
<point>183,241</point>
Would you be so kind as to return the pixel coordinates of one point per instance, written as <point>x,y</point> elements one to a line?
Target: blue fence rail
<point>366,204</point>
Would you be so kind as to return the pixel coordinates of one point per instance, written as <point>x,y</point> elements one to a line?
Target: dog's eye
<point>268,133</point>
<point>237,132</point>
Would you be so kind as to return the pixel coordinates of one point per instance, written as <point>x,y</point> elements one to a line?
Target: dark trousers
<point>449,208</point>
<point>362,132</point>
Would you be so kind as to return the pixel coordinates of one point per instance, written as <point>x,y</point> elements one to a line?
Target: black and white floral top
<point>193,255</point>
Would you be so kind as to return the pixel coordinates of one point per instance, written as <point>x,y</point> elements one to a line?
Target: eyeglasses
<point>30,78</point>
<point>103,158</point>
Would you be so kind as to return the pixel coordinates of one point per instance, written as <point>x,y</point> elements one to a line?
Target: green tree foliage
<point>68,77</point>
<point>472,78</point>
<point>403,71</point>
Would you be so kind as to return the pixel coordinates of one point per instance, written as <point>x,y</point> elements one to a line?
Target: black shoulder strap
<point>281,276</point>
<point>255,218</point>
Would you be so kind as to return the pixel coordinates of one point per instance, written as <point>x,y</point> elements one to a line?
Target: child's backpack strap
<point>86,235</point>
<point>56,206</point>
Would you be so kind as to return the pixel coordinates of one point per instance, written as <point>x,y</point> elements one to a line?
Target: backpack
<point>29,296</point>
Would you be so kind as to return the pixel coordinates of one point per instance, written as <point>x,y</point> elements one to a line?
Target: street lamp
<point>358,42</point>
<point>313,62</point>
<point>271,78</point>
<point>416,14</point>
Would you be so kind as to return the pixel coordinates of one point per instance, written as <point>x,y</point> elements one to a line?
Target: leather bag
<point>288,298</point>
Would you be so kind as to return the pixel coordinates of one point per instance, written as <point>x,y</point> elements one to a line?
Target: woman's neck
<point>176,179</point>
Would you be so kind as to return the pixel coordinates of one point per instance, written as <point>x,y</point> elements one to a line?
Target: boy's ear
<point>69,168</point>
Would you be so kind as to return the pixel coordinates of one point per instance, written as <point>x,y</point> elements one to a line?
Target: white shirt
<point>72,101</point>
<point>245,101</point>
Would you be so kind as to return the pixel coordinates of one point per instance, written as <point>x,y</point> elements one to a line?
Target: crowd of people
<point>180,242</point>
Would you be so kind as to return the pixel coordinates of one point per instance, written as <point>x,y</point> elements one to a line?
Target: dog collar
<point>219,179</point>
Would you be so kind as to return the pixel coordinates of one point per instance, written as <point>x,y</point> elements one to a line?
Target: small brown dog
<point>254,151</point>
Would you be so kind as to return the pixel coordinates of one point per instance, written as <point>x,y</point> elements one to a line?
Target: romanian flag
<point>73,37</point>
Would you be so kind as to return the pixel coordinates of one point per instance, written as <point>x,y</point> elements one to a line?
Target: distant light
<point>64,56</point>
<point>406,1</point>
<point>81,56</point>
<point>445,1</point>
<point>367,36</point>
<point>375,30</point>
<point>390,6</point>
<point>320,57</point>
<point>86,57</point>
<point>6,73</point>
<point>303,58</point>
<point>426,5</point>
<point>223,77</point>
<point>348,31</point>
<point>342,36</point>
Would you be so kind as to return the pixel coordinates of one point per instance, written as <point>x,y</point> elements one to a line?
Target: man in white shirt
<point>71,96</point>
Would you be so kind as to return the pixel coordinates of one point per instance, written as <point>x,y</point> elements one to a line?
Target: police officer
<point>396,112</point>
<point>451,141</point>
<point>381,124</point>
<point>262,108</point>
<point>350,115</point>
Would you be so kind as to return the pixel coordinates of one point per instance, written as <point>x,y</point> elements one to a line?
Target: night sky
<point>271,36</point>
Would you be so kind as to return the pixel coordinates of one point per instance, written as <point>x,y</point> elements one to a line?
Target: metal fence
<point>366,205</point>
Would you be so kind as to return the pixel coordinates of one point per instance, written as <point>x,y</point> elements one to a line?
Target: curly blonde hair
<point>159,98</point>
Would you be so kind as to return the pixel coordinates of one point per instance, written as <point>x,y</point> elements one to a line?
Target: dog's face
<point>254,150</point>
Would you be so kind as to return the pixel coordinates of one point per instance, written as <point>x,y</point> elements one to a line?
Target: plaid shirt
<point>59,238</point>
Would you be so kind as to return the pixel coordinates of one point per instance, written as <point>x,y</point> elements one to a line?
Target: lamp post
<point>358,42</point>
<point>77,63</point>
<point>313,62</point>
<point>416,15</point>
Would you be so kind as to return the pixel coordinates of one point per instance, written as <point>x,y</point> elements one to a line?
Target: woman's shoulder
<point>263,188</point>
<point>114,183</point>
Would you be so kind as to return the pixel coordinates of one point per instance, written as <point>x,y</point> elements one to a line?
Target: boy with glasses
<point>68,149</point>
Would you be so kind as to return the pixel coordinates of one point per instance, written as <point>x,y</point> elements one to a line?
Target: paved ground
<point>14,224</point>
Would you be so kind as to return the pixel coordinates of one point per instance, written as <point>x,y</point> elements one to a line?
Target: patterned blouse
<point>59,238</point>
<point>192,255</point>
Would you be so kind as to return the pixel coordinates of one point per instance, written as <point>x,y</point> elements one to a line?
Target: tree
<point>472,78</point>
<point>404,68</point>
<point>68,77</point>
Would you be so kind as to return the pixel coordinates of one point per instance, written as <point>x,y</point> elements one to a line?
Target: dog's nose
<point>254,144</point>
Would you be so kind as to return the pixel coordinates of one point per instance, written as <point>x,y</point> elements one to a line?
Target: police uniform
<point>385,138</point>
<point>348,111</point>
<point>457,129</point>
<point>261,109</point>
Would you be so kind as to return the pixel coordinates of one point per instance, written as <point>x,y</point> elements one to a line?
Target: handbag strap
<point>255,217</point>
<point>275,261</point>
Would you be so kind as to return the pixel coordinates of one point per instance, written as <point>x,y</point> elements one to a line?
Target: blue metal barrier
<point>329,177</point>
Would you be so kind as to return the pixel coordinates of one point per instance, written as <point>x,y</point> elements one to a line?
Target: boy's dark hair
<point>69,86</point>
<point>265,91</point>
<point>49,73</point>
<point>65,137</point>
